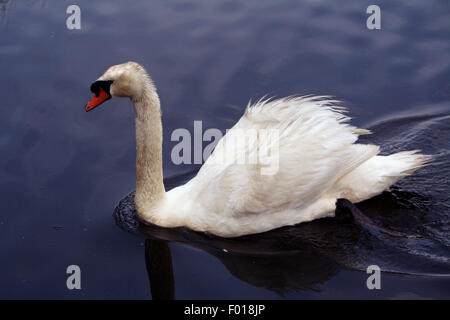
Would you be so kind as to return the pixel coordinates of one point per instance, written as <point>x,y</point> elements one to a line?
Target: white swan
<point>317,162</point>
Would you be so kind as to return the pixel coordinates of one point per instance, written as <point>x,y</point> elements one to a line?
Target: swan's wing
<point>303,145</point>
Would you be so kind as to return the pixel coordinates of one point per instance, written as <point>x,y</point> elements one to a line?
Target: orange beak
<point>97,100</point>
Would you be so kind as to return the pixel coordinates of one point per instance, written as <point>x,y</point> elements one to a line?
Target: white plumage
<point>307,158</point>
<point>318,163</point>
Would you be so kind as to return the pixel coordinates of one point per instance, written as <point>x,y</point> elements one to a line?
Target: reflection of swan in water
<point>158,262</point>
<point>415,213</point>
<point>290,258</point>
<point>279,266</point>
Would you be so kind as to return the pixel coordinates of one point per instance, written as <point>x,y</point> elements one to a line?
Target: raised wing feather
<point>303,145</point>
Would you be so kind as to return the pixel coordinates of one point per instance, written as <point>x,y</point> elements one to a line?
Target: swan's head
<point>122,80</point>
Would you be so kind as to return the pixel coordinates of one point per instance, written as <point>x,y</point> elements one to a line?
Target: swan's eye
<point>104,84</point>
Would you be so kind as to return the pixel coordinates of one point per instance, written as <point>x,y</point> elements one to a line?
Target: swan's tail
<point>406,163</point>
<point>378,173</point>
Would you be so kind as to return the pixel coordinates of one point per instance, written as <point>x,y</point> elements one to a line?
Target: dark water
<point>64,171</point>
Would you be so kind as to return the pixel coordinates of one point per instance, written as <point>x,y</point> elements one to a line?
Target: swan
<point>317,162</point>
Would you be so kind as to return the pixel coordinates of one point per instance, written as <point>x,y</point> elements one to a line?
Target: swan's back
<point>307,146</point>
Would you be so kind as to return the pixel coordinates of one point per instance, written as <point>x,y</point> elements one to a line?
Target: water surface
<point>64,171</point>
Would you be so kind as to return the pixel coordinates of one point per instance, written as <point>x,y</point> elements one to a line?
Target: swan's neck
<point>149,176</point>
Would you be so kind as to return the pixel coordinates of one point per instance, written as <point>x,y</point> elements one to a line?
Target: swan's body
<point>309,145</point>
